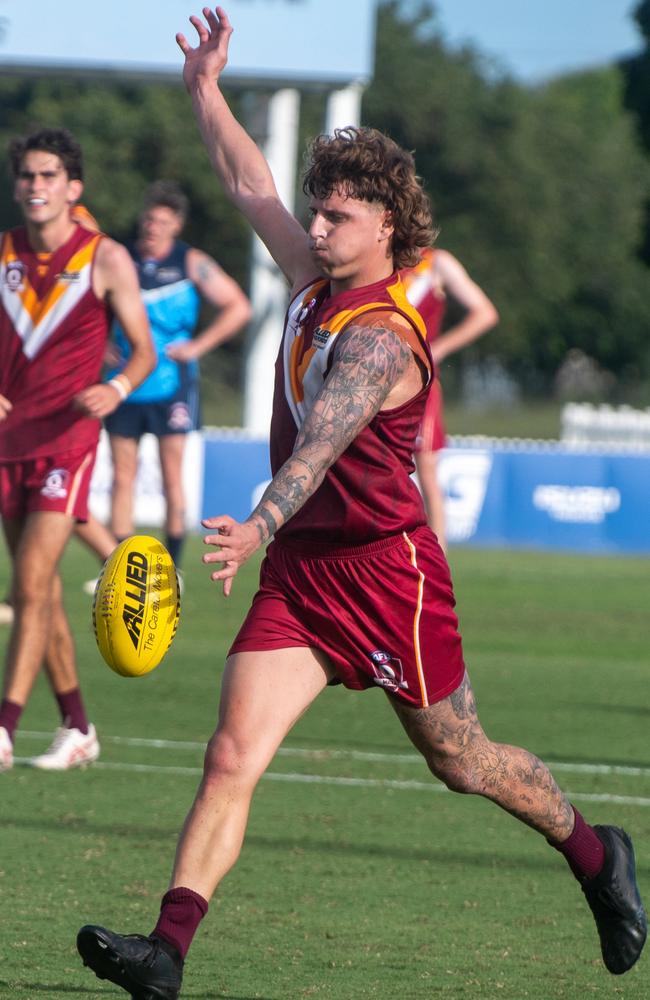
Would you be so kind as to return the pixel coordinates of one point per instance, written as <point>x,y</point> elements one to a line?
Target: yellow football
<point>136,606</point>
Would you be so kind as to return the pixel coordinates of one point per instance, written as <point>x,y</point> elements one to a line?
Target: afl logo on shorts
<point>55,486</point>
<point>14,273</point>
<point>179,417</point>
<point>388,671</point>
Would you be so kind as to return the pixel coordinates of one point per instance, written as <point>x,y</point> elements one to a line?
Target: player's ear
<point>75,189</point>
<point>387,228</point>
<point>179,222</point>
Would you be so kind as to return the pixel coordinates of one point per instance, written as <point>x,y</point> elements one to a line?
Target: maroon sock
<point>181,912</point>
<point>72,710</point>
<point>583,849</point>
<point>10,713</point>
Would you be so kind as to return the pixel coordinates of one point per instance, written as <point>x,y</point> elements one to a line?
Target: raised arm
<point>373,369</point>
<point>238,162</point>
<point>480,313</point>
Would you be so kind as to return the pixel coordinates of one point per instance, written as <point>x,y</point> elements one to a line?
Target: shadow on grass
<point>56,989</point>
<point>306,845</point>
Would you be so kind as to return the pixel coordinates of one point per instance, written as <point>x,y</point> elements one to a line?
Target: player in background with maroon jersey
<point>437,275</point>
<point>59,286</point>
<point>354,587</point>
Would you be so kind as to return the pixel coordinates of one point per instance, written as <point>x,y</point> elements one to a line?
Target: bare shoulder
<point>111,254</point>
<point>114,269</point>
<point>444,263</point>
<point>375,341</point>
<point>201,266</point>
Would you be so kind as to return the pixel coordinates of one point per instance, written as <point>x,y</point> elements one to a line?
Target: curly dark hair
<point>368,165</point>
<point>167,194</point>
<point>59,141</point>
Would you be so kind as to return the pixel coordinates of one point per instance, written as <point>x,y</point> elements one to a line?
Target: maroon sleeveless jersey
<point>368,493</point>
<point>53,332</point>
<point>421,292</point>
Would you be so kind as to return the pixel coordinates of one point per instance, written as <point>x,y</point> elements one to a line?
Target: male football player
<point>59,285</point>
<point>175,278</point>
<point>354,580</point>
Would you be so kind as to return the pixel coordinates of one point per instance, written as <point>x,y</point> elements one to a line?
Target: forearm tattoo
<point>369,361</point>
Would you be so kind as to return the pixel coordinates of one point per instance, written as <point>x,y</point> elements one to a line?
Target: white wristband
<point>115,382</point>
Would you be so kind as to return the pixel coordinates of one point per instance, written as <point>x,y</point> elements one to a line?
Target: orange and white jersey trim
<point>34,319</point>
<point>306,364</point>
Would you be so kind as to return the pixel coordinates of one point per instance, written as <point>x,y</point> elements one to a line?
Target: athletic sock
<point>72,710</point>
<point>10,713</point>
<point>181,912</point>
<point>583,849</point>
<point>174,545</point>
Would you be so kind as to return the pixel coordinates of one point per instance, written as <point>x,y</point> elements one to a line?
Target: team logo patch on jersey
<point>179,418</point>
<point>14,274</point>
<point>388,671</point>
<point>55,486</point>
<point>320,337</point>
<point>306,312</point>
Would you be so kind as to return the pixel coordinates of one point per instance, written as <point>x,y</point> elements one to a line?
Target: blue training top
<point>172,304</point>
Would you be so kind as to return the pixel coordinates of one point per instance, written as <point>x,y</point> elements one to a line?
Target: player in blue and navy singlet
<point>175,278</point>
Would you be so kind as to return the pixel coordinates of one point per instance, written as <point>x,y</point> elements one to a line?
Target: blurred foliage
<point>542,192</point>
<point>539,191</point>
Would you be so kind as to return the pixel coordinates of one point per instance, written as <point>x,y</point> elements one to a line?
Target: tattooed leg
<point>451,739</point>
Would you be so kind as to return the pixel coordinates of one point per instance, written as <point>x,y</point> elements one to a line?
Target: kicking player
<point>439,274</point>
<point>59,284</point>
<point>354,587</point>
<point>174,278</point>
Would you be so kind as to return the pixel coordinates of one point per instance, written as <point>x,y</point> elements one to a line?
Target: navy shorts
<point>178,415</point>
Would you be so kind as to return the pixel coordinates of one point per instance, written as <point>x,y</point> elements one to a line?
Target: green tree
<point>539,191</point>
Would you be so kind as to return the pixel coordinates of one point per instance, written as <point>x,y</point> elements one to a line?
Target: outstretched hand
<point>211,54</point>
<point>235,543</point>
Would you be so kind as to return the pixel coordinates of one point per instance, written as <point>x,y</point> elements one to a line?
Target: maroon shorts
<point>58,483</point>
<point>432,435</point>
<point>383,613</point>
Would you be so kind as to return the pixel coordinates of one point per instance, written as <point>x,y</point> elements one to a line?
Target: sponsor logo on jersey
<point>55,484</point>
<point>577,504</point>
<point>320,337</point>
<point>70,276</point>
<point>388,671</point>
<point>169,274</point>
<point>137,573</point>
<point>14,273</point>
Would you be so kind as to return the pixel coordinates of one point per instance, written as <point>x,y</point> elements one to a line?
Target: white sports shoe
<point>89,586</point>
<point>6,613</point>
<point>6,751</point>
<point>70,748</point>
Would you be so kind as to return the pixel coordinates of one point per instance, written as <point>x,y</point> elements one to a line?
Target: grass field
<point>360,877</point>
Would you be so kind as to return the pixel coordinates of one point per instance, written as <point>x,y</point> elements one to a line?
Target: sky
<point>538,39</point>
<point>532,39</point>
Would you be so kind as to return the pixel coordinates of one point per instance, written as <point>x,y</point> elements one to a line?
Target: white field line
<point>356,755</point>
<point>353,755</point>
<point>322,779</point>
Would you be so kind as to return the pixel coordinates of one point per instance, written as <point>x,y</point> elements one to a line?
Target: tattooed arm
<point>373,369</point>
<point>220,291</point>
